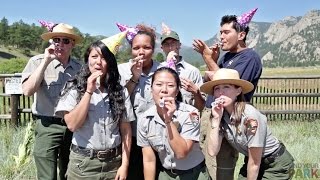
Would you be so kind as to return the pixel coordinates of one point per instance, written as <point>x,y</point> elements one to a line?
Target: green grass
<point>301,139</point>
<point>10,139</point>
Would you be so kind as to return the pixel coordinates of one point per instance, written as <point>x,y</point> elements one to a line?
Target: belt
<point>180,172</point>
<point>51,119</point>
<point>273,156</point>
<point>99,154</point>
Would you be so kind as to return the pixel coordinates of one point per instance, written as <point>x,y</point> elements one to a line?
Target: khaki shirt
<point>192,73</point>
<point>244,137</point>
<point>141,97</point>
<point>99,130</point>
<point>152,132</point>
<point>55,77</point>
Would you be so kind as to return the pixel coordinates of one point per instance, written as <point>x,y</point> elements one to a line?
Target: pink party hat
<point>165,29</point>
<point>131,31</point>
<point>48,25</point>
<point>171,60</point>
<point>245,19</point>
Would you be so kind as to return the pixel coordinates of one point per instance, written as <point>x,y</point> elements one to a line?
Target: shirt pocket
<point>156,143</point>
<point>53,88</point>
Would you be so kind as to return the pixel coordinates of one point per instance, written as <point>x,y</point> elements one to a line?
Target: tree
<point>4,27</point>
<point>159,57</point>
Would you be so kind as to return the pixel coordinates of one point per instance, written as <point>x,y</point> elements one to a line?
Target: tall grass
<point>302,140</point>
<point>10,139</point>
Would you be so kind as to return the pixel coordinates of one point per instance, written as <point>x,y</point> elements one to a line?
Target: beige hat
<point>226,76</point>
<point>62,30</point>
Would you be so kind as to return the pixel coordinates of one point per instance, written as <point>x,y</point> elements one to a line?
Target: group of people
<point>141,119</point>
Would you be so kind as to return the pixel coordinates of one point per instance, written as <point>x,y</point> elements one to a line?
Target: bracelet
<point>136,82</point>
<point>89,92</point>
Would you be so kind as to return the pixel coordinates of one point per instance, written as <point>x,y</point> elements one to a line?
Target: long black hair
<point>112,85</point>
<point>176,77</point>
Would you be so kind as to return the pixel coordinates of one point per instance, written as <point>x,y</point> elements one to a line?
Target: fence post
<point>14,101</point>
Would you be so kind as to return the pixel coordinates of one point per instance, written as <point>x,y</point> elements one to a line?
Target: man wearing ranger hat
<point>44,76</point>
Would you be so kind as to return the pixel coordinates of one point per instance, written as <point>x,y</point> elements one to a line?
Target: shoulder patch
<point>251,125</point>
<point>195,117</point>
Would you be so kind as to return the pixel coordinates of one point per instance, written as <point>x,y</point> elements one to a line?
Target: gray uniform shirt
<point>55,76</point>
<point>99,131</point>
<point>152,132</point>
<point>141,97</point>
<point>192,73</point>
<point>244,138</point>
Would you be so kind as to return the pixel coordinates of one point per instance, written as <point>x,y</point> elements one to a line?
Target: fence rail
<point>277,97</point>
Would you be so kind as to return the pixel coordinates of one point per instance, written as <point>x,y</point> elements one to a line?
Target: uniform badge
<point>252,125</point>
<point>195,118</point>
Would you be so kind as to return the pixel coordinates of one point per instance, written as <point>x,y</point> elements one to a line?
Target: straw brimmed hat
<point>226,76</point>
<point>62,30</point>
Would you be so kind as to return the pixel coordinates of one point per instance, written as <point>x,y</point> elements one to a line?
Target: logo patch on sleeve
<point>252,125</point>
<point>195,118</point>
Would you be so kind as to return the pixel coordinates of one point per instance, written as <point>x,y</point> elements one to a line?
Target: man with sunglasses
<point>44,77</point>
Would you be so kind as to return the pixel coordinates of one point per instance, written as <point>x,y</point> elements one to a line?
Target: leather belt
<point>273,156</point>
<point>99,154</point>
<point>49,119</point>
<point>180,172</point>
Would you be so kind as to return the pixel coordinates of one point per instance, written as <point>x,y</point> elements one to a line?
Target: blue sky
<point>191,19</point>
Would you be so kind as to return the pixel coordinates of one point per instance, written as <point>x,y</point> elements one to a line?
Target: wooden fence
<point>283,98</point>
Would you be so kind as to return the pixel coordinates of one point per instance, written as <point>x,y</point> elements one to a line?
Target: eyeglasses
<point>172,44</point>
<point>64,40</point>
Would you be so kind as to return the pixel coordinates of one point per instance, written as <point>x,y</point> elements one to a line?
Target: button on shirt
<point>242,139</point>
<point>152,132</point>
<point>55,76</point>
<point>99,131</point>
<point>192,73</point>
<point>141,97</point>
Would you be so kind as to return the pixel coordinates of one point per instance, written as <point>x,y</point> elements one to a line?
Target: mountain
<point>292,41</point>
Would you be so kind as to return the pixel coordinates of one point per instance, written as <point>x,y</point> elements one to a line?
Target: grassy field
<point>301,139</point>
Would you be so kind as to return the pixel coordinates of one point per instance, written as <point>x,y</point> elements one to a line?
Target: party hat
<point>168,33</point>
<point>131,31</point>
<point>165,29</point>
<point>245,19</point>
<point>48,25</point>
<point>171,59</point>
<point>113,42</point>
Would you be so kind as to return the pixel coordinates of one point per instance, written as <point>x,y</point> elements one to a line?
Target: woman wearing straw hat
<point>44,76</point>
<point>245,128</point>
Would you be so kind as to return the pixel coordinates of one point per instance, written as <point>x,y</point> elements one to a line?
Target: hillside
<point>290,42</point>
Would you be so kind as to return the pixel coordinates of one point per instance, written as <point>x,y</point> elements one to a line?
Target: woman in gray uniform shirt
<point>94,107</point>
<point>171,129</point>
<point>245,128</point>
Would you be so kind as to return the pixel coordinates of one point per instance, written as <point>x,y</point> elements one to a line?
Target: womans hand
<point>136,67</point>
<point>169,108</point>
<point>217,109</point>
<point>91,82</point>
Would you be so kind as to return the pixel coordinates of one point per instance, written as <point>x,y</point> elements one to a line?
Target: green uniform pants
<point>81,167</point>
<point>196,174</point>
<point>51,148</point>
<point>280,169</point>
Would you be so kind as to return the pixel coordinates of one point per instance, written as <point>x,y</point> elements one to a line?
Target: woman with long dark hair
<point>94,108</point>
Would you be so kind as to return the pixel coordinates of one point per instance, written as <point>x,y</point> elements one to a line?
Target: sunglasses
<point>64,40</point>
